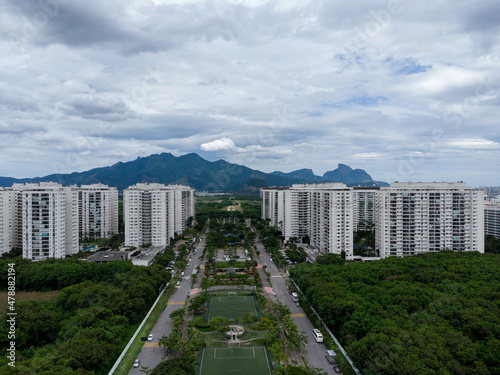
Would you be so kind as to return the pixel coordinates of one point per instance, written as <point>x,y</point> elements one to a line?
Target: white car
<point>150,337</point>
<point>137,362</point>
<point>187,277</point>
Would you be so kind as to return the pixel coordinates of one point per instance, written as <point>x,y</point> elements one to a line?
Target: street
<point>315,354</point>
<point>151,354</point>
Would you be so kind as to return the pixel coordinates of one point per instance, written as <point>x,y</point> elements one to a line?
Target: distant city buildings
<point>154,213</point>
<point>98,211</point>
<point>492,219</point>
<point>409,218</point>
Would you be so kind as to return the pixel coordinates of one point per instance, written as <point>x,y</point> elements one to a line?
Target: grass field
<point>231,307</point>
<point>241,361</point>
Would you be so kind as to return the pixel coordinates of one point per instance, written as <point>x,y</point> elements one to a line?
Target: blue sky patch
<point>407,66</point>
<point>312,114</point>
<point>367,100</point>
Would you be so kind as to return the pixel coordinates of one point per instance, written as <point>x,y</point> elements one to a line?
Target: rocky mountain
<point>343,174</point>
<point>193,170</point>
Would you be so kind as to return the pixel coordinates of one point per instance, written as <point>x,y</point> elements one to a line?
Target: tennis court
<point>240,361</point>
<point>231,306</point>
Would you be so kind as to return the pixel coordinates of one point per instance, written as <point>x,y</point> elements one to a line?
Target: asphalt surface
<point>151,354</point>
<point>313,352</point>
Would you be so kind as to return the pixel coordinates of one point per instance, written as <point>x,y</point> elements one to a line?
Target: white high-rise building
<point>492,219</point>
<point>98,211</point>
<point>409,218</point>
<point>7,220</point>
<point>154,213</point>
<point>322,212</point>
<point>48,218</point>
<point>422,217</point>
<point>365,206</point>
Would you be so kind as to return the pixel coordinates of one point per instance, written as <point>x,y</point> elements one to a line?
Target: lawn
<point>231,307</point>
<point>243,361</point>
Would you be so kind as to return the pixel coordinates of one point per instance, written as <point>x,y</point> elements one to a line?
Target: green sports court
<point>235,361</point>
<point>231,306</point>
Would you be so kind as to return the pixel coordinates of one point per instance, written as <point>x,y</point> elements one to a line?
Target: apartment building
<point>47,218</point>
<point>322,212</point>
<point>409,218</point>
<point>422,217</point>
<point>492,219</point>
<point>154,213</point>
<point>98,211</point>
<point>365,206</point>
<point>7,220</point>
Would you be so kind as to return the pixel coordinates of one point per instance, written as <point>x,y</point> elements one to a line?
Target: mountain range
<point>192,170</point>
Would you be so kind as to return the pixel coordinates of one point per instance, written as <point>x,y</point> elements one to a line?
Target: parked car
<point>288,287</point>
<point>337,369</point>
<point>297,304</point>
<point>331,357</point>
<point>137,362</point>
<point>150,337</point>
<point>187,277</point>
<point>178,283</point>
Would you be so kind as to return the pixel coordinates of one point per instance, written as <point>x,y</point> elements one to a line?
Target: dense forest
<point>435,313</point>
<point>83,330</point>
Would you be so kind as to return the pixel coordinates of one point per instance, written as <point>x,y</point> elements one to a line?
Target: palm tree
<point>248,264</point>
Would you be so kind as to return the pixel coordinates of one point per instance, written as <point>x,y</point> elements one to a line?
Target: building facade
<point>409,218</point>
<point>48,220</point>
<point>98,211</point>
<point>154,213</point>
<point>492,219</point>
<point>321,212</point>
<point>365,207</point>
<point>421,217</point>
<point>7,220</point>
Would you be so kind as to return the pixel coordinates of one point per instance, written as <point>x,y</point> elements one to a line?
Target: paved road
<point>151,354</point>
<point>315,351</point>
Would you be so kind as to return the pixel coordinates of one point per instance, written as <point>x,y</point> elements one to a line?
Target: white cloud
<point>473,143</point>
<point>269,84</point>
<point>219,144</point>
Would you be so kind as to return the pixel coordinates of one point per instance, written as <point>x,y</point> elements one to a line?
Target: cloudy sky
<point>406,90</point>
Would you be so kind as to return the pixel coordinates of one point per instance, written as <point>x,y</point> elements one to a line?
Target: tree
<point>491,244</point>
<point>231,273</point>
<point>219,323</point>
<point>197,304</point>
<point>277,352</point>
<point>297,339</point>
<point>176,366</point>
<point>329,259</point>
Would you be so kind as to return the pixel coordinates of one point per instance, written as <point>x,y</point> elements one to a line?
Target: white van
<point>317,335</point>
